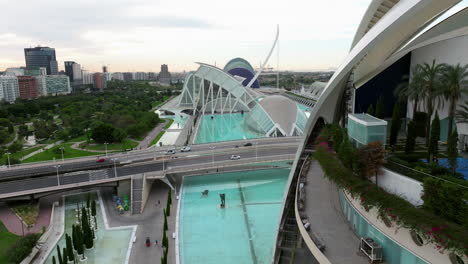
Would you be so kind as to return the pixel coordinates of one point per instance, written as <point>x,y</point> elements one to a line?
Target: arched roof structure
<point>238,63</point>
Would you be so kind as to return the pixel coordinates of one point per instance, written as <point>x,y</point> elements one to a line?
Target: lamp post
<point>105,144</point>
<point>61,149</point>
<point>8,155</point>
<point>58,179</point>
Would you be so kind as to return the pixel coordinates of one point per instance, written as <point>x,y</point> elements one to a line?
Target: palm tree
<point>431,81</point>
<point>456,83</point>
<point>410,89</point>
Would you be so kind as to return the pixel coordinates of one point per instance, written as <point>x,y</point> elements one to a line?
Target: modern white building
<point>14,71</point>
<point>87,77</point>
<point>117,76</point>
<point>9,89</point>
<point>141,76</point>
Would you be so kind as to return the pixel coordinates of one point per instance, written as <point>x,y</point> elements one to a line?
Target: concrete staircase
<point>137,193</point>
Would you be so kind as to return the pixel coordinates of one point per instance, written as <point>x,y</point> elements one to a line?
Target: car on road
<point>170,151</point>
<point>100,160</point>
<point>248,144</point>
<point>235,157</point>
<point>185,149</point>
<point>148,242</point>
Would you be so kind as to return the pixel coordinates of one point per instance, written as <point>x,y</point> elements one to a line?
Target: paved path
<point>145,143</point>
<point>42,149</point>
<point>13,223</point>
<point>326,218</point>
<point>76,145</point>
<point>150,224</point>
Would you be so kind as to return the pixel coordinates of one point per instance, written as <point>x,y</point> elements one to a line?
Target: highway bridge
<point>32,180</point>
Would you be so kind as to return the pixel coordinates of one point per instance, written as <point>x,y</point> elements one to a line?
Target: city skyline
<point>140,36</point>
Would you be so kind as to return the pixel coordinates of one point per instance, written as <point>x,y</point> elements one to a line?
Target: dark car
<point>148,242</point>
<point>248,144</point>
<point>100,160</point>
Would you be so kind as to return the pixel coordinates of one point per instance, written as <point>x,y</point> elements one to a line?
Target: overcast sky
<point>140,35</point>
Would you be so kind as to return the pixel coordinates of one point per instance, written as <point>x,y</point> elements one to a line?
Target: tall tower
<point>104,68</point>
<point>41,57</point>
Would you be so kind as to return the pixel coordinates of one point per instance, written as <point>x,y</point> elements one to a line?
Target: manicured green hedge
<point>22,248</point>
<point>446,235</point>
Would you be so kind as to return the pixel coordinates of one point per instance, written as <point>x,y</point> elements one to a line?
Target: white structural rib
<point>267,58</point>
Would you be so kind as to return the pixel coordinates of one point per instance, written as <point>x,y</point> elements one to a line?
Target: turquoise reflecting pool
<point>392,252</point>
<point>224,127</point>
<point>243,231</point>
<point>110,246</point>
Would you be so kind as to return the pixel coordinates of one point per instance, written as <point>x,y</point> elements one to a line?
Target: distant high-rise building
<point>73,71</point>
<point>164,76</point>
<point>35,71</point>
<point>27,86</point>
<point>9,90</point>
<point>57,84</point>
<point>117,76</point>
<point>100,81</point>
<point>87,77</point>
<point>152,76</point>
<point>41,57</point>
<point>41,84</point>
<point>104,68</point>
<point>128,76</point>
<point>14,71</point>
<point>141,76</point>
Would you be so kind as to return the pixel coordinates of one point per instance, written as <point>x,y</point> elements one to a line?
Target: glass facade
<point>392,252</point>
<point>41,57</point>
<point>57,84</point>
<point>364,128</point>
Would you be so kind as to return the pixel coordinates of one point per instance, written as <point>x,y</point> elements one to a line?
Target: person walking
<point>156,242</point>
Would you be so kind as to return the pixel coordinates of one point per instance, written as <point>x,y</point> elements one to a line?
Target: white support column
<point>212,97</point>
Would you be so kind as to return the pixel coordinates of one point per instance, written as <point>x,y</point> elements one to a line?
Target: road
<point>170,164</point>
<point>88,163</point>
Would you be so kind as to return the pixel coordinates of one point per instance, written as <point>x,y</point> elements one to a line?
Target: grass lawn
<point>19,154</point>
<point>68,152</point>
<point>155,140</point>
<point>6,240</point>
<point>78,139</point>
<point>169,123</point>
<point>126,144</point>
<point>158,103</point>
<point>27,211</point>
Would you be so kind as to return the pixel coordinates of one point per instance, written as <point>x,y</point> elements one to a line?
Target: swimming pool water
<point>109,247</point>
<point>224,127</point>
<point>462,165</point>
<point>243,231</point>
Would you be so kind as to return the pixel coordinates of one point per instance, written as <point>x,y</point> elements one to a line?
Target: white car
<point>170,151</point>
<point>185,149</point>
<point>235,157</point>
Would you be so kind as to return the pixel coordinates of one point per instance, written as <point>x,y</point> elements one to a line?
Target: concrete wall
<point>124,188</point>
<point>147,184</point>
<point>405,187</point>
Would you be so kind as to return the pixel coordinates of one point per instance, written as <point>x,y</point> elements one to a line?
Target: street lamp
<point>8,155</point>
<point>58,179</point>
<point>61,149</point>
<point>105,144</point>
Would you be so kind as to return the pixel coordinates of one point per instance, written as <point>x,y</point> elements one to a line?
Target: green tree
<point>452,151</point>
<point>434,138</point>
<point>345,153</point>
<point>410,137</point>
<point>370,110</point>
<point>168,208</point>
<point>371,156</point>
<point>15,147</point>
<point>59,255</point>
<point>119,135</point>
<point>74,239</point>
<point>53,260</point>
<point>410,89</point>
<point>396,124</point>
<point>164,240</point>
<point>337,134</point>
<point>380,108</point>
<point>70,254</point>
<point>169,197</point>
<point>455,83</point>
<point>431,81</point>
<point>88,200</point>
<point>80,242</point>
<point>103,133</point>
<point>93,208</point>
<point>64,255</point>
<point>165,222</point>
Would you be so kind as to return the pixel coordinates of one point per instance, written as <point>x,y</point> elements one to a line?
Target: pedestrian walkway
<point>324,212</point>
<point>42,149</point>
<point>146,142</point>
<point>14,224</point>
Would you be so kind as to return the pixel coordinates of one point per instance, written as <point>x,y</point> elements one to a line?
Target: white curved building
<point>386,42</point>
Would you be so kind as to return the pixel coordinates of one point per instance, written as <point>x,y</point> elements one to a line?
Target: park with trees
<point>119,116</point>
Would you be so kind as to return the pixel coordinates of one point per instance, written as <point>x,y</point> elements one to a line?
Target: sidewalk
<point>145,143</point>
<point>42,149</point>
<point>13,223</point>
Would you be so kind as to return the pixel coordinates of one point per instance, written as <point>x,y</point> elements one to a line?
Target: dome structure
<point>276,115</point>
<point>239,67</point>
